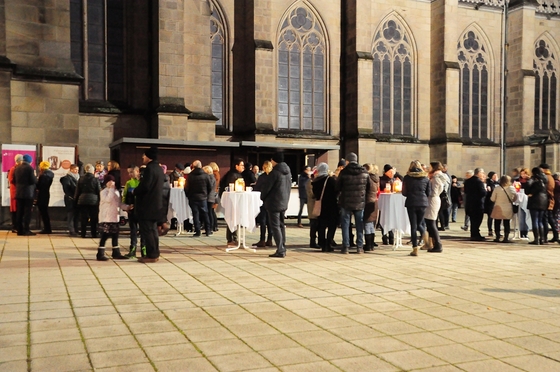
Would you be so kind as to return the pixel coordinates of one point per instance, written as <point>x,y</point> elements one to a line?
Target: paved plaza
<point>478,306</point>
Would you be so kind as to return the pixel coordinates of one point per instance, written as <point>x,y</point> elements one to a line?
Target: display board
<point>8,160</point>
<point>60,158</point>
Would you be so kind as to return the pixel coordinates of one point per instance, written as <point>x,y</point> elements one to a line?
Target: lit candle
<point>397,185</point>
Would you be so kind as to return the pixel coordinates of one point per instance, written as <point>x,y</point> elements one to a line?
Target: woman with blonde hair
<point>416,188</point>
<point>503,197</point>
<point>436,186</point>
<point>216,173</point>
<point>370,209</point>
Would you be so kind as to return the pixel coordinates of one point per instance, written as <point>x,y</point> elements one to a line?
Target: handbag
<point>317,205</point>
<point>513,206</point>
<point>444,200</point>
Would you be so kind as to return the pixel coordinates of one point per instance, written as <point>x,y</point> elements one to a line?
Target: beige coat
<point>437,184</point>
<point>502,206</point>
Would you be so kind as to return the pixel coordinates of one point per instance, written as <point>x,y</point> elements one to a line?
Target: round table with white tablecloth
<point>393,215</point>
<point>179,208</point>
<point>240,211</point>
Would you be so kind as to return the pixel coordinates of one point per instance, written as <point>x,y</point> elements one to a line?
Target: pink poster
<point>8,158</point>
<point>9,152</point>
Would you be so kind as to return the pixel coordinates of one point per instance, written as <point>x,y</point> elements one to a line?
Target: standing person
<point>443,214</point>
<point>524,176</point>
<point>436,187</point>
<point>25,181</point>
<point>475,191</point>
<point>69,185</point>
<point>491,183</point>
<point>256,171</point>
<point>340,166</point>
<point>163,224</point>
<point>248,175</point>
<point>549,214</point>
<point>303,180</point>
<point>13,204</point>
<point>100,171</point>
<point>468,174</point>
<point>44,183</point>
<point>387,178</point>
<point>556,211</point>
<point>313,218</point>
<point>128,199</point>
<point>211,202</point>
<point>197,190</point>
<point>148,205</point>
<point>503,197</point>
<point>329,217</point>
<point>230,177</point>
<point>177,172</point>
<point>370,209</point>
<point>275,194</point>
<point>87,197</point>
<point>109,204</point>
<point>537,203</point>
<point>416,188</point>
<point>352,184</point>
<point>455,197</point>
<point>262,217</point>
<point>114,169</point>
<point>216,173</point>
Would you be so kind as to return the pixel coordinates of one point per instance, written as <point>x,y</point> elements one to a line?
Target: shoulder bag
<point>317,206</point>
<point>514,207</point>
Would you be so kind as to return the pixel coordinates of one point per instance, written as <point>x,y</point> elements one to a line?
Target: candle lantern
<point>517,185</point>
<point>181,182</point>
<point>397,185</point>
<point>239,184</point>
<point>387,188</point>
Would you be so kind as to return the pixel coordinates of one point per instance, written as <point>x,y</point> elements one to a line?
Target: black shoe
<point>333,244</point>
<point>14,230</point>
<point>434,250</point>
<point>464,228</point>
<point>497,240</point>
<point>29,233</point>
<point>45,232</point>
<point>209,233</point>
<point>73,234</point>
<point>196,235</point>
<point>344,250</point>
<point>277,255</point>
<point>441,228</point>
<point>314,245</point>
<point>478,239</point>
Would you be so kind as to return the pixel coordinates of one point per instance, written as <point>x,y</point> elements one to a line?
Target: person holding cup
<point>229,178</point>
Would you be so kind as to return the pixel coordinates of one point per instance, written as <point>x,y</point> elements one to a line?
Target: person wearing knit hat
<point>25,181</point>
<point>44,183</point>
<point>340,166</point>
<point>275,195</point>
<point>352,157</point>
<point>13,211</point>
<point>149,202</point>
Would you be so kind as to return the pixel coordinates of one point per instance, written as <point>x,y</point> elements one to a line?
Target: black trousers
<point>150,237</point>
<point>200,215</point>
<point>91,212</point>
<point>433,232</point>
<point>416,217</point>
<point>23,215</point>
<point>44,211</point>
<point>476,221</point>
<point>278,228</point>
<point>326,231</point>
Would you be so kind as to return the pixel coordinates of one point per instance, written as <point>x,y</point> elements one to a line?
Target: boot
<point>373,243</point>
<point>414,251</point>
<point>536,240</point>
<point>426,239</point>
<point>269,242</point>
<point>313,244</point>
<point>437,248</point>
<point>117,254</point>
<point>132,252</point>
<point>391,238</point>
<point>543,239</point>
<point>506,236</point>
<point>369,242</point>
<point>260,244</point>
<point>101,254</point>
<point>385,240</point>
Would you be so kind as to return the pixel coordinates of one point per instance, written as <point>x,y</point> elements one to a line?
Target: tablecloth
<point>241,208</point>
<point>392,213</point>
<point>179,206</point>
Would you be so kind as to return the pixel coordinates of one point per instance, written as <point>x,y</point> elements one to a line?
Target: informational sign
<point>60,158</point>
<point>9,153</point>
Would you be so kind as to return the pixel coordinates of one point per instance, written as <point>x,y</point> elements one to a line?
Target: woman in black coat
<point>262,218</point>
<point>328,219</point>
<point>416,189</point>
<point>537,204</point>
<point>44,183</point>
<point>87,197</point>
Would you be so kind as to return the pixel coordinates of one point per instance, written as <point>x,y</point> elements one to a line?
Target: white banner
<point>60,158</point>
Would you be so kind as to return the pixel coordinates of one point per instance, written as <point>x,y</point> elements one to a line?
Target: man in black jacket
<point>352,184</point>
<point>69,185</point>
<point>230,177</point>
<point>25,181</point>
<point>148,204</point>
<point>275,195</point>
<point>475,191</point>
<point>197,190</point>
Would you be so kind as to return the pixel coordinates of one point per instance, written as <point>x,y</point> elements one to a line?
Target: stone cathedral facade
<point>392,80</point>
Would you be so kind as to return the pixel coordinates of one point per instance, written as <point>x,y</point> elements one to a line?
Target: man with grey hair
<point>197,190</point>
<point>475,191</point>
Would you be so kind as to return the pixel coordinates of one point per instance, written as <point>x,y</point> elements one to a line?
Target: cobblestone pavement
<point>478,306</point>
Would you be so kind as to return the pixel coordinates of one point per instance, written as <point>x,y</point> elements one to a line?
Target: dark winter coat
<point>475,191</point>
<point>303,179</point>
<point>69,185</point>
<point>199,185</point>
<point>275,193</point>
<point>87,192</point>
<point>212,194</point>
<point>149,193</point>
<point>329,208</point>
<point>370,210</point>
<point>228,178</point>
<point>249,177</point>
<point>25,181</point>
<point>416,188</point>
<point>488,204</point>
<point>44,188</point>
<point>384,180</point>
<point>538,196</point>
<point>352,184</point>
<point>165,195</point>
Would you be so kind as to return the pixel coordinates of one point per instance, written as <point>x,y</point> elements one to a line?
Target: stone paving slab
<point>478,306</point>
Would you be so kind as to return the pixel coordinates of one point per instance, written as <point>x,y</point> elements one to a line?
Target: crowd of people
<point>93,198</point>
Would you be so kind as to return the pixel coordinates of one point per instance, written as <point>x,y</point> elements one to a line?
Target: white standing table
<point>240,211</point>
<point>393,216</point>
<point>179,208</point>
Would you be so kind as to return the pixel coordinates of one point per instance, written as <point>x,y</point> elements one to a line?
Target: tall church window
<point>301,73</point>
<point>392,80</point>
<point>473,87</point>
<point>545,66</point>
<point>219,57</point>
<point>97,48</point>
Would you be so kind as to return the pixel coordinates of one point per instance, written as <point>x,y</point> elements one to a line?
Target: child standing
<point>109,204</point>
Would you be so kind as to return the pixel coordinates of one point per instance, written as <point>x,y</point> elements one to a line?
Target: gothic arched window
<point>301,73</point>
<point>545,66</point>
<point>219,58</point>
<point>392,80</point>
<point>473,87</point>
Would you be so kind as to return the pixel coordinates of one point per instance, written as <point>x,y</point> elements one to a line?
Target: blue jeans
<point>200,215</point>
<point>537,218</point>
<point>345,217</point>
